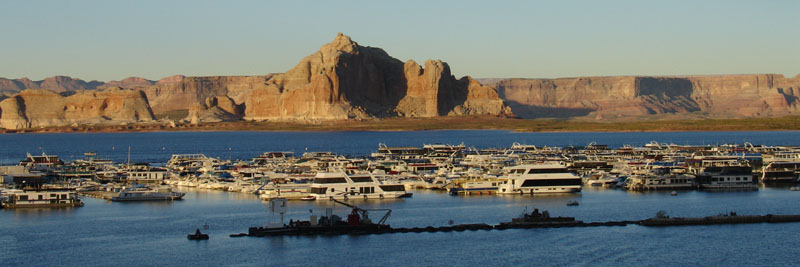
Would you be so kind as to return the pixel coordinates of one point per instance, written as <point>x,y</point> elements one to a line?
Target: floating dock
<point>558,222</point>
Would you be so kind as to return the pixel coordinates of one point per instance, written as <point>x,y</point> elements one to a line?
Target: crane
<point>355,218</point>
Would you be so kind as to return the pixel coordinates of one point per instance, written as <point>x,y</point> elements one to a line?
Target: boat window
<point>337,180</point>
<point>319,190</point>
<point>552,182</point>
<point>557,170</point>
<point>393,187</point>
<point>23,197</point>
<point>361,179</point>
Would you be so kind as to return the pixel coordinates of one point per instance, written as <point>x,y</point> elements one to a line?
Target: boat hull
<point>50,205</point>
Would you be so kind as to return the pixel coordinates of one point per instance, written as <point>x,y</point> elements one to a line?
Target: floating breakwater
<point>652,222</point>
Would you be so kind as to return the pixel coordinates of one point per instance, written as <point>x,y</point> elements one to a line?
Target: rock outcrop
<point>618,97</point>
<point>130,82</point>
<point>344,80</point>
<point>215,109</point>
<point>183,93</point>
<point>42,108</point>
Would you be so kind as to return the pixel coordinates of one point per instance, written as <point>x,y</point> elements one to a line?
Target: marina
<point>390,172</point>
<point>429,217</point>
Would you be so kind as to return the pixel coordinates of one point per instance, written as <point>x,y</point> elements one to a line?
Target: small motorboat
<point>674,193</point>
<point>573,203</point>
<point>795,188</point>
<point>197,236</point>
<point>308,198</point>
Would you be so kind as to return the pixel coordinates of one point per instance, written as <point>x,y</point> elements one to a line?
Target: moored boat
<point>147,194</point>
<point>338,185</point>
<point>539,179</point>
<point>40,198</point>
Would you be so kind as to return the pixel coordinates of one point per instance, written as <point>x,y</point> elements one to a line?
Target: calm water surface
<point>106,233</point>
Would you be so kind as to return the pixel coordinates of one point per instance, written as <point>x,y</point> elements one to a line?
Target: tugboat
<point>197,235</point>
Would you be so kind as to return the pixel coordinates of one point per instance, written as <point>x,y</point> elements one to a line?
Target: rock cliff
<point>184,93</point>
<point>628,96</point>
<point>42,108</point>
<point>344,80</point>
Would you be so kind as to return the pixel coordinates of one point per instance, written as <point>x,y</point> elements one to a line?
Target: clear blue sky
<point>111,40</point>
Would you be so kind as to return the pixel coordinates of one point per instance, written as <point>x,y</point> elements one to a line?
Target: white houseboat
<point>539,179</point>
<point>338,185</point>
<point>40,198</point>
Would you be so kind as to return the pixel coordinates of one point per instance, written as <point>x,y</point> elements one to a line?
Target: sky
<point>112,40</point>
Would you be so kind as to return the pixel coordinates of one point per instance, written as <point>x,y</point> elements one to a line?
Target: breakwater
<point>516,224</point>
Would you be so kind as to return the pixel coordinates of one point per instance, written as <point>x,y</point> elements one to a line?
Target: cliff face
<point>41,108</point>
<point>184,93</point>
<point>626,96</point>
<point>344,80</point>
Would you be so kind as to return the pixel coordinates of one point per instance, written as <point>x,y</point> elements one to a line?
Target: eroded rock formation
<point>344,80</point>
<point>627,96</point>
<point>41,108</point>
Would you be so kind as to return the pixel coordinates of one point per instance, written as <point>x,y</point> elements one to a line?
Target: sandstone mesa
<point>625,97</point>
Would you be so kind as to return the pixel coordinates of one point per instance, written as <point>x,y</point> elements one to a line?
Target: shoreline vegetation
<point>450,123</point>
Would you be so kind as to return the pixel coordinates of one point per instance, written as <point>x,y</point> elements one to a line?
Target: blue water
<point>158,146</point>
<point>106,233</point>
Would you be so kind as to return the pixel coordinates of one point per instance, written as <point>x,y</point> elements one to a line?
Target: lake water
<point>106,233</point>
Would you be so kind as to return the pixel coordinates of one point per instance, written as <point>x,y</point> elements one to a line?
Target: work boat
<point>147,194</point>
<point>338,185</point>
<point>539,179</point>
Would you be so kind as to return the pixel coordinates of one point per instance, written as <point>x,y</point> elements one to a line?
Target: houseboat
<point>147,194</point>
<point>478,186</point>
<point>539,179</point>
<point>728,177</point>
<point>339,185</point>
<point>780,172</point>
<point>40,198</point>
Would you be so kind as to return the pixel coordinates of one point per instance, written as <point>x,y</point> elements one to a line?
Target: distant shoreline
<point>451,123</point>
